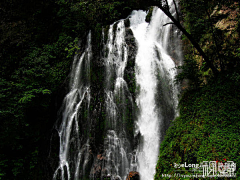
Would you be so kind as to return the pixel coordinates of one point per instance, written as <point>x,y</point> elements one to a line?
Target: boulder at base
<point>133,175</point>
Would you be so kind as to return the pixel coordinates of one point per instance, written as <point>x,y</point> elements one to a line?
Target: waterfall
<point>72,149</point>
<point>134,121</point>
<point>155,71</point>
<point>117,97</point>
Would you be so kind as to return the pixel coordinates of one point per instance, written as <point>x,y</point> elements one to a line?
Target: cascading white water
<point>148,122</point>
<point>156,100</point>
<point>69,133</point>
<point>116,92</point>
<point>152,59</point>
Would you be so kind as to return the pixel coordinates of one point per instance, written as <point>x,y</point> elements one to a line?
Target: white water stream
<point>69,132</point>
<point>116,91</point>
<point>152,58</point>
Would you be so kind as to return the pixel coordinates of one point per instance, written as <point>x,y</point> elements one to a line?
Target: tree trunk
<point>194,43</point>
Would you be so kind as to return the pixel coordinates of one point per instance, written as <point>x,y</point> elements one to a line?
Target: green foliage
<point>194,12</point>
<point>72,48</point>
<point>207,129</point>
<point>190,71</point>
<point>99,11</point>
<point>33,65</point>
<point>149,15</point>
<point>209,24</point>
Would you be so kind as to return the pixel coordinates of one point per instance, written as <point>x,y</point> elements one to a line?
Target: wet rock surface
<point>133,175</point>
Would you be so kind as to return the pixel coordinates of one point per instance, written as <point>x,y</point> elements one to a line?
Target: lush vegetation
<point>207,129</point>
<point>208,126</point>
<point>215,27</point>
